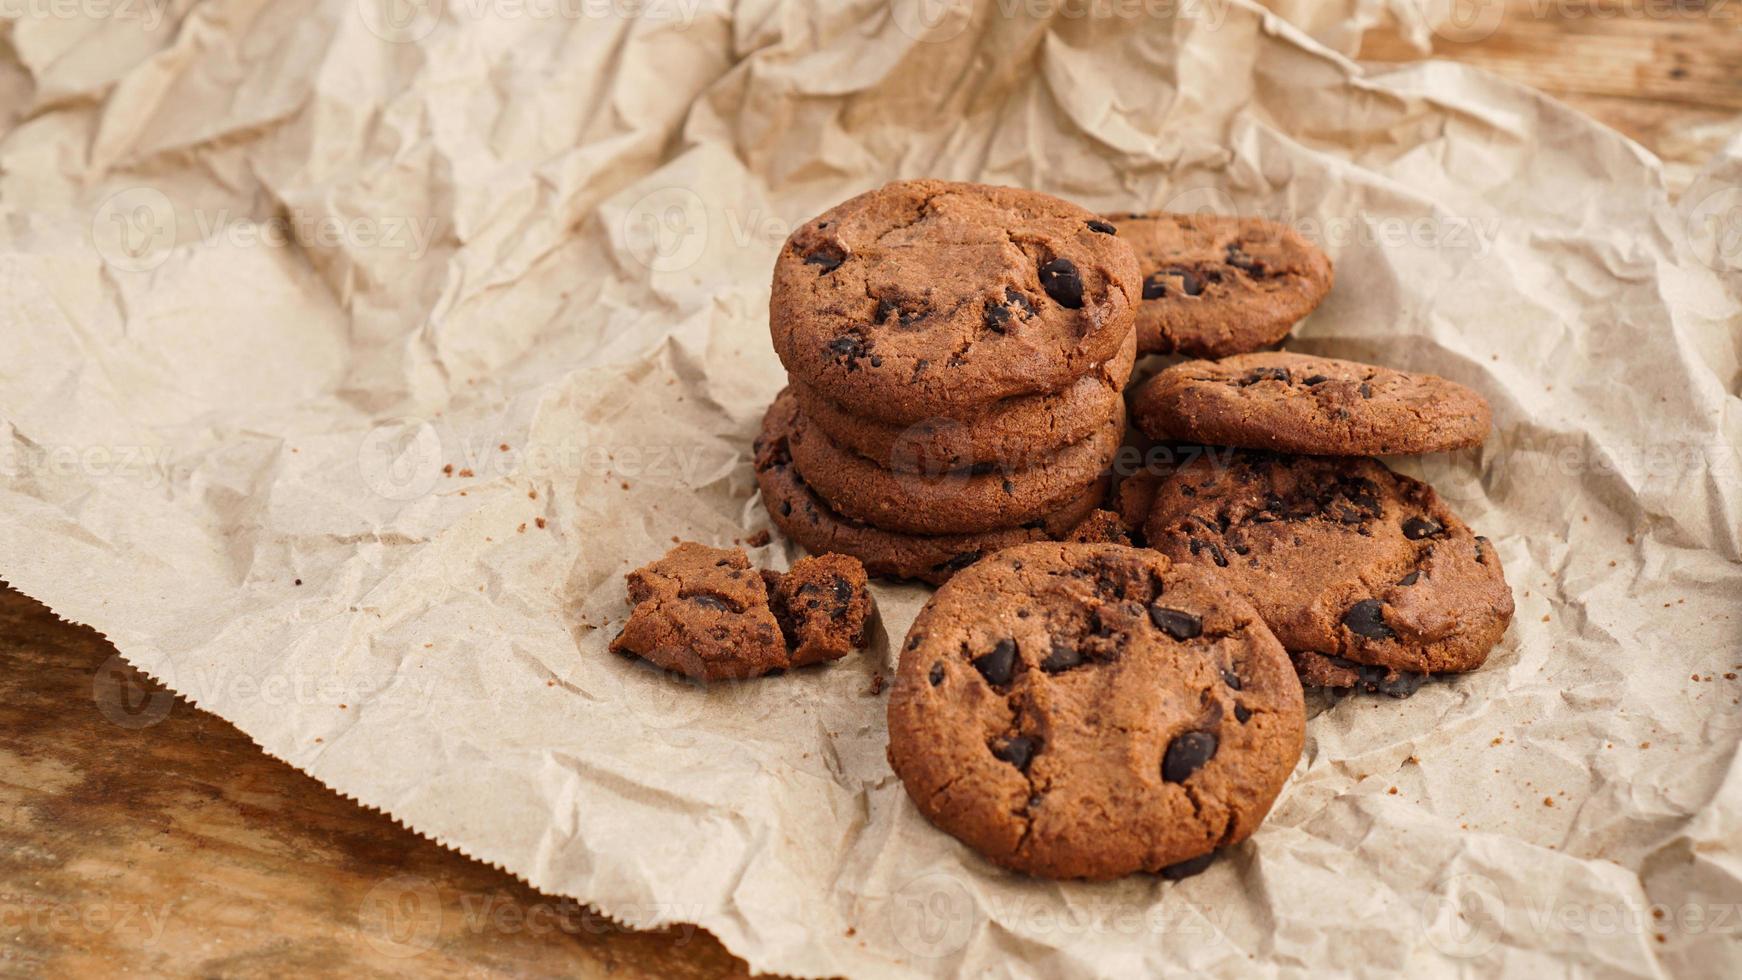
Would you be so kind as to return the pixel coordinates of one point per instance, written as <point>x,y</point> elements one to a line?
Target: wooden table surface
<point>143,836</point>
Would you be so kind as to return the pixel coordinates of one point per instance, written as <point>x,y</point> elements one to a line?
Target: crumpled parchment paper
<point>353,351</point>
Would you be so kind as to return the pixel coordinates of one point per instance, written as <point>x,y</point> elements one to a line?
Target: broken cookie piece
<point>824,607</point>
<point>707,614</point>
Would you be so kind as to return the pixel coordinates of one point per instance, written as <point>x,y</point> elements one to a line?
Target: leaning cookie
<point>808,519</point>
<point>1343,558</point>
<point>1215,285</point>
<point>1090,711</point>
<point>1320,406</point>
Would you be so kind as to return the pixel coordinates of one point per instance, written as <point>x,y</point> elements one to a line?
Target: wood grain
<point>138,835</point>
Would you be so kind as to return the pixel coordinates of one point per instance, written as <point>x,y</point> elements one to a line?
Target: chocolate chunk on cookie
<point>979,499</point>
<point>1321,406</point>
<point>929,298</point>
<point>808,519</point>
<point>1101,527</point>
<point>824,607</point>
<point>1089,711</point>
<point>1008,431</point>
<point>1343,558</point>
<point>1214,285</point>
<point>704,613</point>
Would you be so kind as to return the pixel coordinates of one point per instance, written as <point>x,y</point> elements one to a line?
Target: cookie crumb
<point>299,582</point>
<point>448,470</point>
<point>758,540</point>
<point>876,687</point>
<point>467,473</point>
<point>521,529</point>
<point>539,521</point>
<point>1548,801</point>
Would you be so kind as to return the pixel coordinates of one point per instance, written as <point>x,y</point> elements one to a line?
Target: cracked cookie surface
<point>983,498</point>
<point>1343,558</point>
<point>806,518</point>
<point>1093,710</point>
<point>824,607</point>
<point>1298,403</point>
<point>702,612</point>
<point>1010,430</point>
<point>929,297</point>
<point>1215,285</point>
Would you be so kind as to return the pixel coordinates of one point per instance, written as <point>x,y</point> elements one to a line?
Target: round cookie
<point>809,520</point>
<point>1216,285</point>
<point>1009,430</point>
<point>1342,557</point>
<point>1298,403</point>
<point>928,298</point>
<point>1093,710</point>
<point>960,502</point>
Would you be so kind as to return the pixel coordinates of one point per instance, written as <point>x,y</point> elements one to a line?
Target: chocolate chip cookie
<point>985,498</point>
<point>704,613</point>
<point>1089,711</point>
<point>930,298</point>
<point>1298,403</point>
<point>809,520</point>
<point>1343,558</point>
<point>824,607</point>
<point>1214,285</point>
<point>1007,431</point>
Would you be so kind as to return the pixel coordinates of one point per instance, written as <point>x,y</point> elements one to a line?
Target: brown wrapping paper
<point>453,313</point>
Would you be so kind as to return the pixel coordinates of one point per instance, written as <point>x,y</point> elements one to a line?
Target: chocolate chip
<point>850,349</point>
<point>1367,618</point>
<point>710,602</point>
<point>997,317</point>
<point>1237,258</point>
<point>1187,868</point>
<point>885,309</point>
<point>1062,282</point>
<point>1317,379</point>
<point>1189,281</point>
<point>1155,286</point>
<point>1103,227</point>
<point>915,640</point>
<point>1411,578</point>
<point>999,666</point>
<point>1401,684</point>
<point>828,259</point>
<point>1231,679</point>
<point>959,562</point>
<point>1187,754</point>
<point>1062,658</point>
<point>1417,528</point>
<point>1017,299</point>
<point>1366,390</point>
<point>786,508</point>
<point>1009,488</point>
<point>1176,623</point>
<point>937,673</point>
<point>1017,751</point>
<point>1242,713</point>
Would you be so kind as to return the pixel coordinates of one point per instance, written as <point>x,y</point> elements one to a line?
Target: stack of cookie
<point>957,356</point>
<point>1365,575</point>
